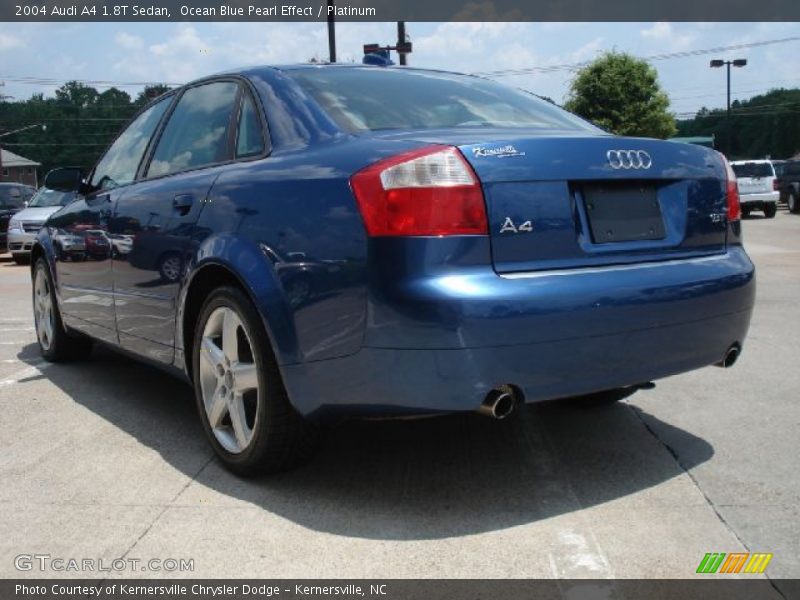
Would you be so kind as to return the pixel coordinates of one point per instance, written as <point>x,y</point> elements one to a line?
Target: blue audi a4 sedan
<point>309,243</point>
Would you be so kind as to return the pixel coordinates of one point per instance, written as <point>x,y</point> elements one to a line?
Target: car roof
<point>256,69</point>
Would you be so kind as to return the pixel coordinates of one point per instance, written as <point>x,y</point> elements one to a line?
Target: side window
<point>197,131</point>
<point>249,139</point>
<point>119,165</point>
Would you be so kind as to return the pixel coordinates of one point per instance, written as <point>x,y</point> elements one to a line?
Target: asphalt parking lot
<point>106,459</point>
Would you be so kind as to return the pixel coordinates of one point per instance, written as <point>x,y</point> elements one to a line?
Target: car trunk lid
<point>559,202</point>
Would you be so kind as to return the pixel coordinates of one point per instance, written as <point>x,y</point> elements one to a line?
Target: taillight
<point>732,193</point>
<point>431,191</point>
<point>774,185</point>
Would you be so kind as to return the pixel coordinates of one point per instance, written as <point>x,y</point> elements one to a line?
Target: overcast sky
<point>178,52</point>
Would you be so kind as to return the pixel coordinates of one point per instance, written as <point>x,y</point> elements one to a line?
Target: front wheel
<point>21,259</point>
<point>241,399</point>
<point>770,210</point>
<point>55,343</point>
<point>745,211</point>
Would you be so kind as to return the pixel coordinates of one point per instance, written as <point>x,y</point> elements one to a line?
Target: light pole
<point>739,62</point>
<point>2,135</point>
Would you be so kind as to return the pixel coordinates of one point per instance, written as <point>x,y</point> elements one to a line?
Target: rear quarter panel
<point>296,203</point>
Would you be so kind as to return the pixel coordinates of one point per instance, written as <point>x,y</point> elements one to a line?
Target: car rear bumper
<point>551,334</point>
<point>760,199</point>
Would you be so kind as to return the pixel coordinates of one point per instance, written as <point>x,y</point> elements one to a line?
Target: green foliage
<point>621,94</point>
<point>81,122</point>
<point>765,125</point>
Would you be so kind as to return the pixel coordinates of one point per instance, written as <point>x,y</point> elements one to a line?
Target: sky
<point>180,52</point>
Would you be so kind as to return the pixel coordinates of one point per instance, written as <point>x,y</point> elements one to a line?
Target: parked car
<point>121,244</point>
<point>13,197</point>
<point>758,186</point>
<point>68,246</point>
<point>788,176</point>
<point>24,225</point>
<point>484,247</point>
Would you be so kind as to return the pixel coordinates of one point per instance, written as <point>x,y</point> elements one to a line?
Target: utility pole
<point>331,34</point>
<point>401,39</point>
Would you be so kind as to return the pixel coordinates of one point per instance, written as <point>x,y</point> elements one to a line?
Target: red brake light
<point>732,193</point>
<point>431,191</point>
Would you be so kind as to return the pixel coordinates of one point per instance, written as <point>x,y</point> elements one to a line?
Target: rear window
<point>374,99</point>
<point>752,169</point>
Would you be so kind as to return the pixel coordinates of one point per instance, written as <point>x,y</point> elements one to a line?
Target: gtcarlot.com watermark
<point>61,564</point>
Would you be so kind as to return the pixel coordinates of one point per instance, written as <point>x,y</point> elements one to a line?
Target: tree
<point>621,94</point>
<point>764,125</point>
<point>150,92</point>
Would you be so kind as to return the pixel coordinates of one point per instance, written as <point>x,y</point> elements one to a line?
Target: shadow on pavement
<point>402,480</point>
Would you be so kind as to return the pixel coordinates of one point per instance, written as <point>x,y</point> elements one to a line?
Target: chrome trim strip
<point>614,268</point>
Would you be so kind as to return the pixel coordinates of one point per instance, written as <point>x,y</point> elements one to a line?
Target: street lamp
<point>2,135</point>
<point>715,64</point>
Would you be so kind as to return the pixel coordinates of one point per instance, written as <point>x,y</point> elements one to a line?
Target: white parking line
<point>25,373</point>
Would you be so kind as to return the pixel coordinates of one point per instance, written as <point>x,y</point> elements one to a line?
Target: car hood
<point>38,213</point>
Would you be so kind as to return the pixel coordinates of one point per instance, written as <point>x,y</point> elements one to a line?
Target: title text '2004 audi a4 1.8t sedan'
<point>313,242</point>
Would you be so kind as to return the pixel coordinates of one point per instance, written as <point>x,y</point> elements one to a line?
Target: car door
<point>80,230</point>
<point>159,214</point>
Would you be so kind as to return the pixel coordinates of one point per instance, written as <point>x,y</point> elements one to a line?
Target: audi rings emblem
<point>629,159</point>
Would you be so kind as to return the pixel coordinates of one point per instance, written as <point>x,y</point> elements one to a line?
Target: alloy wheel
<point>229,380</point>
<point>43,309</point>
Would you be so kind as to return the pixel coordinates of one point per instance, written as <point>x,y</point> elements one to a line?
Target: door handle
<point>182,204</point>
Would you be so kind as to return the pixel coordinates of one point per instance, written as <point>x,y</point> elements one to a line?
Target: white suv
<point>758,186</point>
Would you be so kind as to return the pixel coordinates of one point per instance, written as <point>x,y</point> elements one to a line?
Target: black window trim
<point>231,134</point>
<point>247,92</point>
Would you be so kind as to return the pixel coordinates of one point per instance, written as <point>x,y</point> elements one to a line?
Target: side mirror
<point>64,179</point>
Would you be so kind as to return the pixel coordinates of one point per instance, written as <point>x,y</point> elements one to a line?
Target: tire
<point>745,212</point>
<point>263,434</point>
<point>770,210</point>
<point>55,342</point>
<point>793,203</point>
<point>21,259</point>
<point>170,267</point>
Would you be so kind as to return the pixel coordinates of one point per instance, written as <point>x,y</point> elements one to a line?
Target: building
<point>18,169</point>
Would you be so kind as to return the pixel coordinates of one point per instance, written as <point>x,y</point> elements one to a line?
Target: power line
<point>31,80</point>
<point>665,56</point>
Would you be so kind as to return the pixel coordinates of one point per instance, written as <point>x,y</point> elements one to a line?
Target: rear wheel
<point>794,205</point>
<point>745,211</point>
<point>55,343</point>
<point>243,405</point>
<point>770,210</point>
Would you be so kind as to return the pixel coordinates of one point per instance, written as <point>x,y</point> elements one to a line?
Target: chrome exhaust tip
<point>499,403</point>
<point>731,356</point>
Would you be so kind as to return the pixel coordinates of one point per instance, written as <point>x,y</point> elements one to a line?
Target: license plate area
<point>623,212</point>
